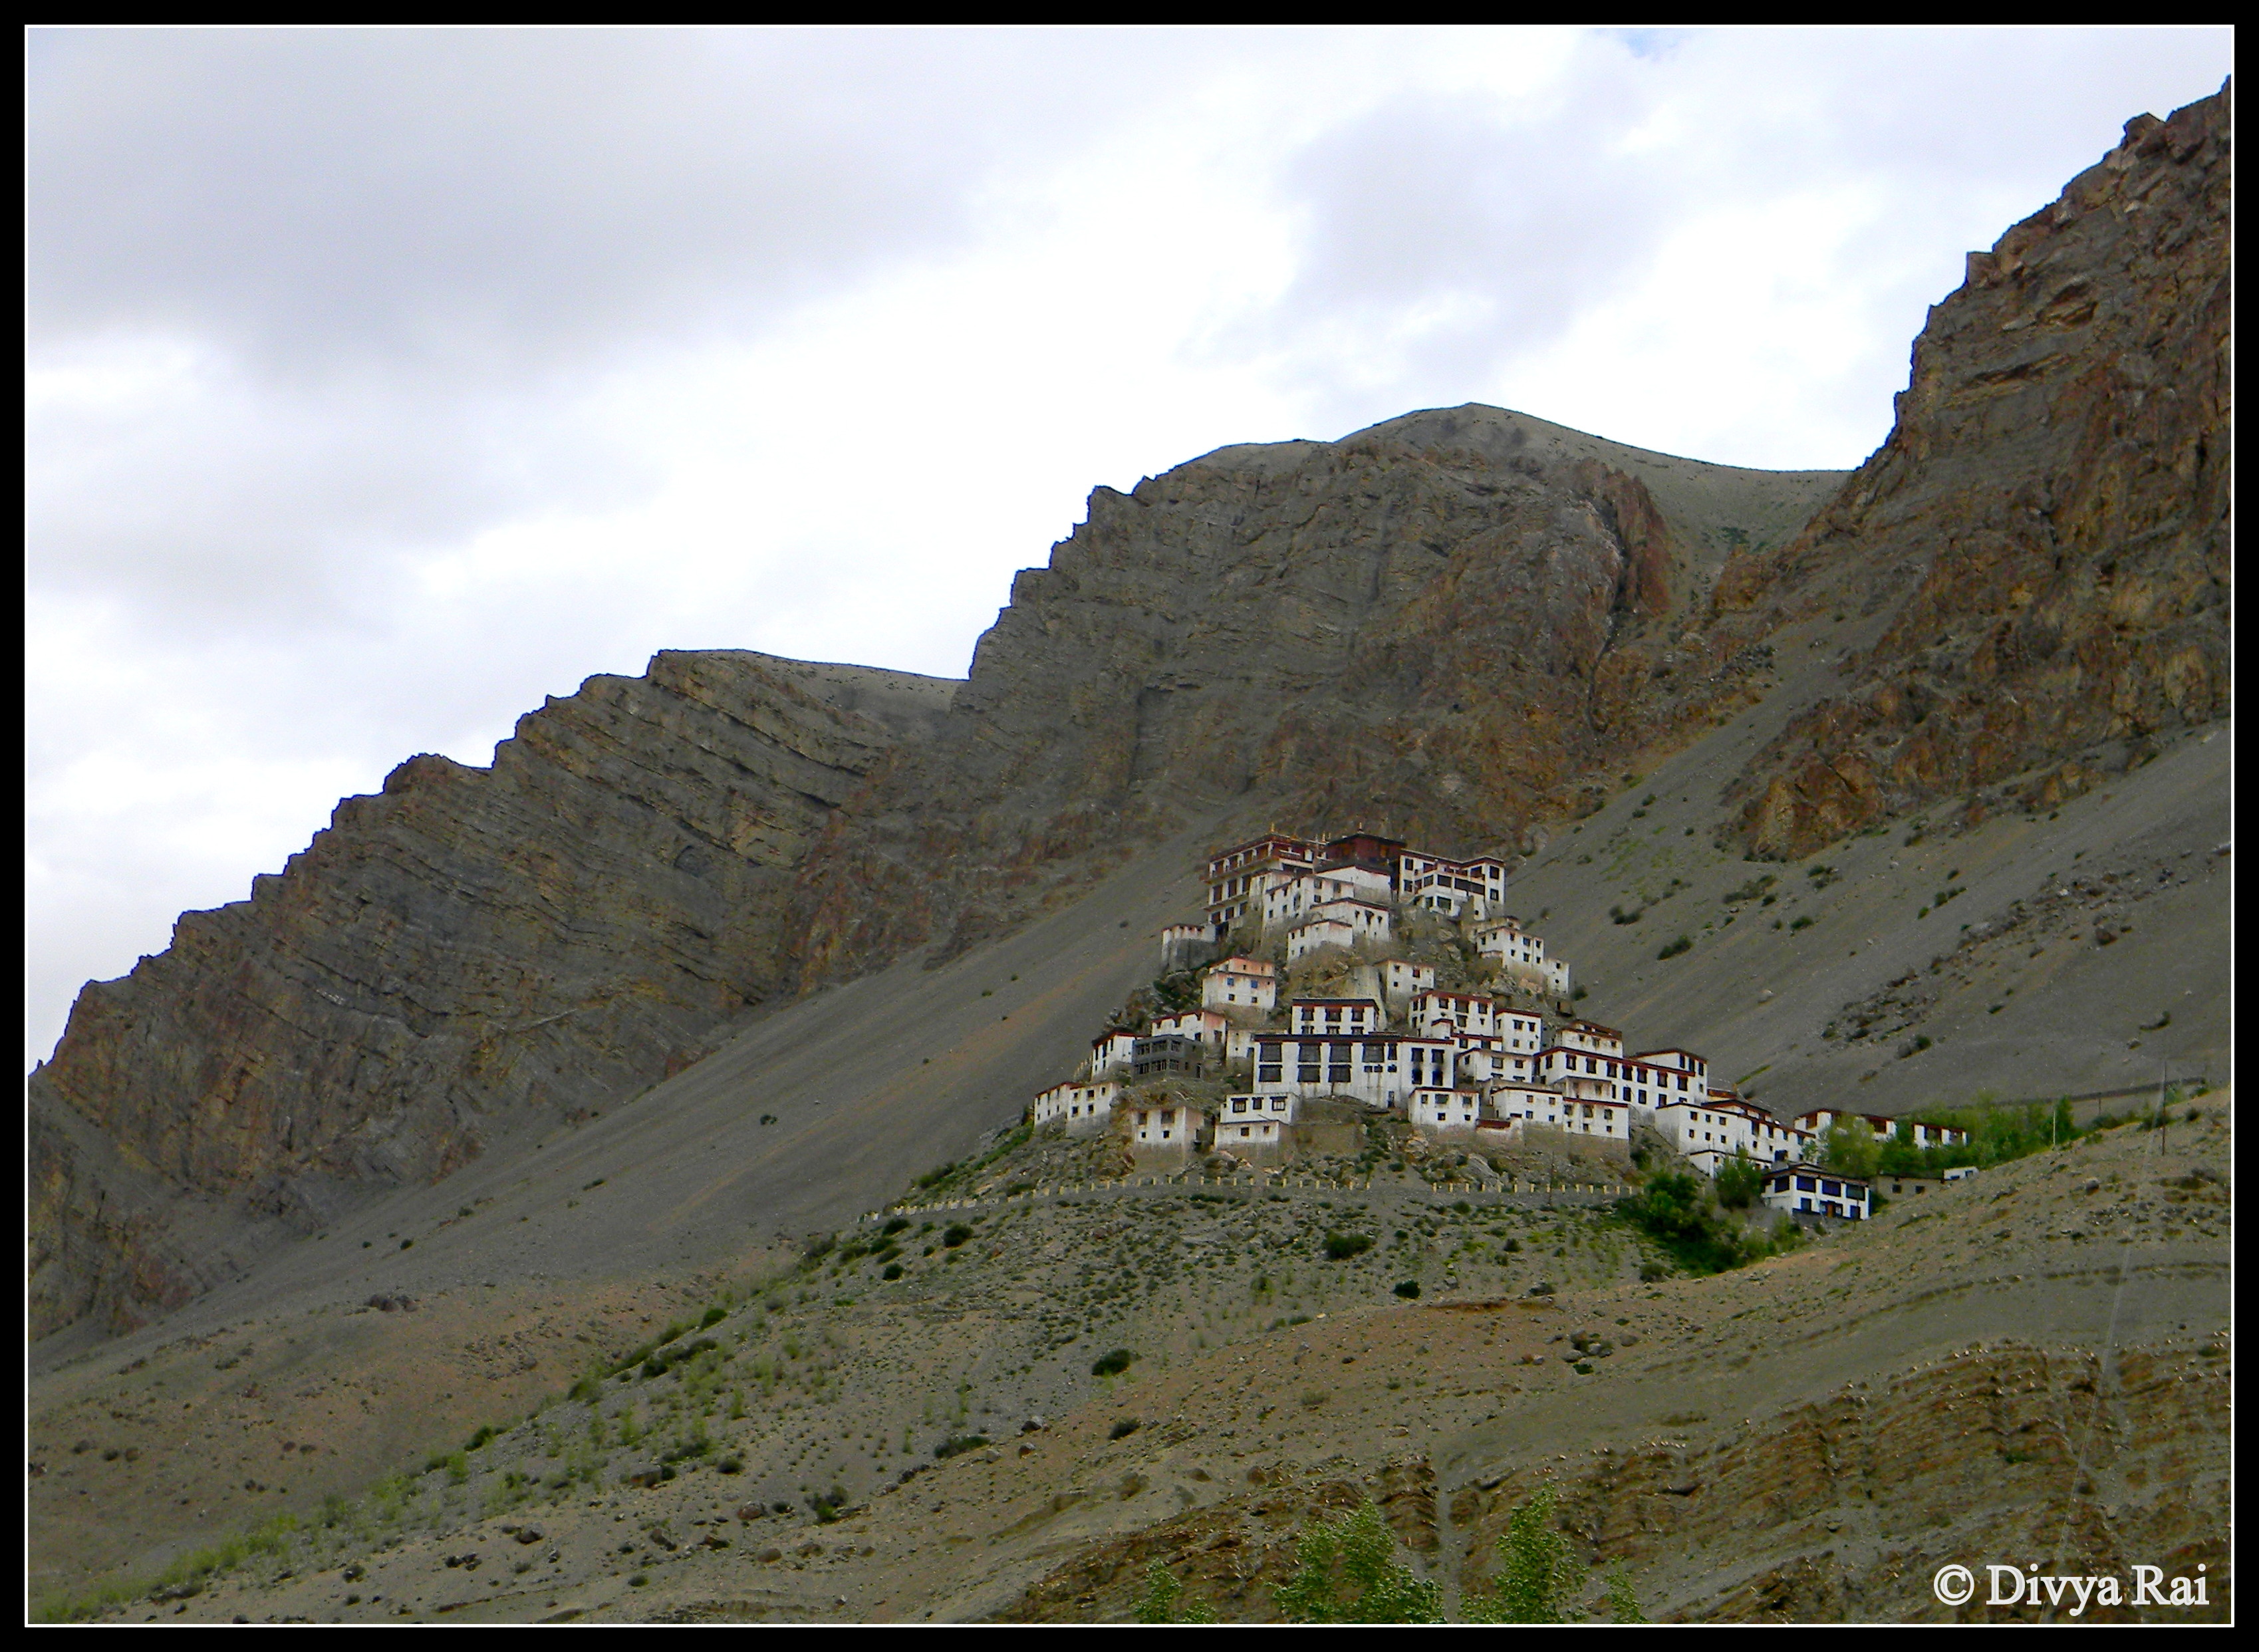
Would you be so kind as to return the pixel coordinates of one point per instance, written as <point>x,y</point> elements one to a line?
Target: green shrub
<point>959,1445</point>
<point>1673,949</point>
<point>1123,1429</point>
<point>1113,1363</point>
<point>1342,1246</point>
<point>1680,1212</point>
<point>1347,1572</point>
<point>1537,1580</point>
<point>1740,1181</point>
<point>1164,1597</point>
<point>891,1271</point>
<point>955,1234</point>
<point>712,1316</point>
<point>1407,1288</point>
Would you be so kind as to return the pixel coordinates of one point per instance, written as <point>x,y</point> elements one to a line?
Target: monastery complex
<point>1439,1008</point>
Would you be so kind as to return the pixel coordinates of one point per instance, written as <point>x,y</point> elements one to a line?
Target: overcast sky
<point>381,383</point>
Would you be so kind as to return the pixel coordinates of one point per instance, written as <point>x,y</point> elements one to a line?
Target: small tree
<point>1537,1581</point>
<point>1164,1601</point>
<point>1623,1606</point>
<point>1850,1150</point>
<point>1740,1181</point>
<point>1361,1549</point>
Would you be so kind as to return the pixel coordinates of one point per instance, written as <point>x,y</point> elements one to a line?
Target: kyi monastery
<point>1496,1065</point>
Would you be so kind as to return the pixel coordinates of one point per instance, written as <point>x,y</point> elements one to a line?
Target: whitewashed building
<point>1446,1013</point>
<point>1883,1128</point>
<point>1510,946</point>
<point>1711,1129</point>
<point>1445,1110</point>
<point>1185,944</point>
<point>1347,924</point>
<point>1254,1123</point>
<point>1381,1072</point>
<point>1592,1114</point>
<point>1450,886</point>
<point>1400,979</point>
<point>1209,1026</point>
<point>1238,878</point>
<point>1301,897</point>
<point>1111,1053</point>
<point>1808,1190</point>
<point>1174,1126</point>
<point>1354,1017</point>
<point>1241,987</point>
<point>1084,1108</point>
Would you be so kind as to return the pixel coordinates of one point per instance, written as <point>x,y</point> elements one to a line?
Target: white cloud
<point>382,382</point>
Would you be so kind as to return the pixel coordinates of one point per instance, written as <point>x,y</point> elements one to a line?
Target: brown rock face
<point>1431,627</point>
<point>469,949</point>
<point>2054,492</point>
<point>1448,627</point>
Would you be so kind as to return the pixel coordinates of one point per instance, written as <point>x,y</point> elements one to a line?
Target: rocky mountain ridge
<point>2055,494</point>
<point>1464,626</point>
<point>468,952</point>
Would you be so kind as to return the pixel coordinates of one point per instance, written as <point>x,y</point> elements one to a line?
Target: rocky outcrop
<point>1452,626</point>
<point>468,949</point>
<point>1436,627</point>
<point>2049,516</point>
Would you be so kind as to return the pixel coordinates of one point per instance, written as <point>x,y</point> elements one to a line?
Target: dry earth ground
<point>2031,1365</point>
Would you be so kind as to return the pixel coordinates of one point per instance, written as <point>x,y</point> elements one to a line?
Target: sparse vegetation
<point>1164,1601</point>
<point>1537,1581</point>
<point>1347,1572</point>
<point>1679,1211</point>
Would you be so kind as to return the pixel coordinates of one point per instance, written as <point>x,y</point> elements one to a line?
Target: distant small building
<point>1170,1053</point>
<point>1301,898</point>
<point>1506,943</point>
<point>1210,1027</point>
<point>1440,1110</point>
<point>1241,986</point>
<point>1451,886</point>
<point>1908,1186</point>
<point>1110,1053</point>
<point>1715,1126</point>
<point>1883,1128</point>
<point>1808,1190</point>
<point>1347,924</point>
<point>1446,1013</point>
<point>1400,979</point>
<point>1590,1039</point>
<point>1240,877</point>
<point>1171,1127</point>
<point>1593,1114</point>
<point>1350,1017</point>
<point>1254,1123</point>
<point>1185,944</point>
<point>1084,1108</point>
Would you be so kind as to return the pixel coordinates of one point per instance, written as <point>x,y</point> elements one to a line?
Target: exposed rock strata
<point>467,948</point>
<point>1436,627</point>
<point>2055,492</point>
<point>1451,626</point>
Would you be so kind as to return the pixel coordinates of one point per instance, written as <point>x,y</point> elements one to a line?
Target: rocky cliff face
<point>1455,626</point>
<point>1436,627</point>
<point>2050,513</point>
<point>466,950</point>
